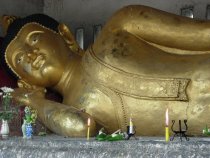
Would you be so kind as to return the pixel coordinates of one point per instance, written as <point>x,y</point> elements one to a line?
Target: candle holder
<point>181,132</point>
<point>131,132</point>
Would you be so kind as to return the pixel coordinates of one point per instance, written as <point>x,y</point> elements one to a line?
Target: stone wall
<point>87,13</point>
<point>20,8</point>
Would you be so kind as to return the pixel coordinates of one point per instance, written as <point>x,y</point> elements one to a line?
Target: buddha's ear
<point>6,20</point>
<point>69,39</point>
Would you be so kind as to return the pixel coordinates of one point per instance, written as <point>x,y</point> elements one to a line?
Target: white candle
<point>131,126</point>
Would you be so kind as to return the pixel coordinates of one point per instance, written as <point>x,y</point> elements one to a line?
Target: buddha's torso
<point>127,76</point>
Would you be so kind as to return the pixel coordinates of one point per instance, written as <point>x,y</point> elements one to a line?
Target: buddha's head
<point>35,51</point>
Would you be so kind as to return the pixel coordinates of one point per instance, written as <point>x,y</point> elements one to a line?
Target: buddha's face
<point>37,55</point>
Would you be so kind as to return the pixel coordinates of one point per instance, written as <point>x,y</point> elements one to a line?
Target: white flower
<point>27,110</point>
<point>7,89</point>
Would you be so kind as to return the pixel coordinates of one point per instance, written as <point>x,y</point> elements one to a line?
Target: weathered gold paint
<point>143,62</point>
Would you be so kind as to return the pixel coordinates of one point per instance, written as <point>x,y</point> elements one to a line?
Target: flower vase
<point>4,129</point>
<point>29,131</point>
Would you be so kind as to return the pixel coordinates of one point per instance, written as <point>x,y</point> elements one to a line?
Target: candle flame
<point>88,122</point>
<point>131,121</point>
<point>167,117</point>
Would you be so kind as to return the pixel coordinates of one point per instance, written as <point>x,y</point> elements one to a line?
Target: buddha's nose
<point>32,54</point>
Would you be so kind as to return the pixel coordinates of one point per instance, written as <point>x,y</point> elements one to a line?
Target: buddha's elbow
<point>71,124</point>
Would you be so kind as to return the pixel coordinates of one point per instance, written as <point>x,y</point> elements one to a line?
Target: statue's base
<point>57,146</point>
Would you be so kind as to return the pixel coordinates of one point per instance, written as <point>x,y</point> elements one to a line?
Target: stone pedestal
<point>61,147</point>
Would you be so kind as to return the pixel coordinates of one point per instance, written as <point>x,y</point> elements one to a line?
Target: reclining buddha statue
<point>143,62</point>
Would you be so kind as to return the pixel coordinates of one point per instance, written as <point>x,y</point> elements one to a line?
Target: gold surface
<point>6,20</point>
<point>143,62</point>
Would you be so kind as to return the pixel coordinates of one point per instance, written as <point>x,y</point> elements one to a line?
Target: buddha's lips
<point>39,61</point>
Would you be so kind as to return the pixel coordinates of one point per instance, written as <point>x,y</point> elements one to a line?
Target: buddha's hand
<point>27,95</point>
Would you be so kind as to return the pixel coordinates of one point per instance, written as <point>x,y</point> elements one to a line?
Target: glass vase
<point>4,129</point>
<point>29,131</point>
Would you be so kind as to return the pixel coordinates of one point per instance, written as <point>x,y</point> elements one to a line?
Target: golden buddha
<point>143,62</point>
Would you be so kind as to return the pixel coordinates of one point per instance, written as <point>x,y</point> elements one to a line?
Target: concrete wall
<point>20,8</point>
<point>86,13</point>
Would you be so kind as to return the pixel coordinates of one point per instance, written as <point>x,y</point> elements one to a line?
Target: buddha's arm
<point>61,119</point>
<point>161,28</point>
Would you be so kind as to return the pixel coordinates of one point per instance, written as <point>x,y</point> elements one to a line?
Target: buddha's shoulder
<point>119,50</point>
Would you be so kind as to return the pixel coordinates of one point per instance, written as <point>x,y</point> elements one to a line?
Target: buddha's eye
<point>34,38</point>
<point>19,60</point>
<point>34,41</point>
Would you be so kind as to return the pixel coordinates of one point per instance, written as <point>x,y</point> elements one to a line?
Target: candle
<point>131,126</point>
<point>167,117</point>
<point>166,126</point>
<point>88,129</point>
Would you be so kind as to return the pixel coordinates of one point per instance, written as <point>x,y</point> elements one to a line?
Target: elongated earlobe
<point>69,39</point>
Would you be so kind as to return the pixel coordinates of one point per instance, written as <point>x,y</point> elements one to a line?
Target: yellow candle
<point>88,129</point>
<point>167,134</point>
<point>166,126</point>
